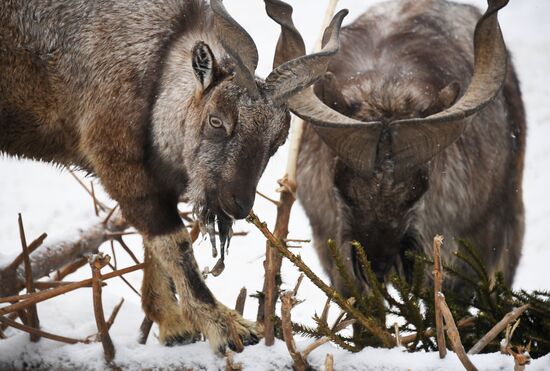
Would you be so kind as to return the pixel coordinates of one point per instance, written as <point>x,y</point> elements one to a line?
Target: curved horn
<point>418,140</point>
<point>297,74</point>
<point>238,43</point>
<point>290,44</point>
<point>413,142</point>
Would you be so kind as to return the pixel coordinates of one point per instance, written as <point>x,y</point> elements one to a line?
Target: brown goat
<point>419,140</point>
<point>158,99</point>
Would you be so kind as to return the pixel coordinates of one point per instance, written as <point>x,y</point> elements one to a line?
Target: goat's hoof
<point>234,333</point>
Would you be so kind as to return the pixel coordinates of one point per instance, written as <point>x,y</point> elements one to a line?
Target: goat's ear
<point>445,99</point>
<point>204,64</point>
<point>329,91</point>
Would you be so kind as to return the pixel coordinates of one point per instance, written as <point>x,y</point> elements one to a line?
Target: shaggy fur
<point>133,91</point>
<point>405,59</point>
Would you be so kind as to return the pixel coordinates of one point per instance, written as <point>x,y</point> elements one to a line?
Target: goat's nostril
<point>243,205</point>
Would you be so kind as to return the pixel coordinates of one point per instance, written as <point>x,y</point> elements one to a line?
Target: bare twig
<point>49,258</point>
<point>48,294</point>
<point>521,357</point>
<point>114,254</point>
<point>32,312</point>
<point>454,336</point>
<point>287,240</point>
<point>465,322</point>
<point>497,329</point>
<point>273,260</point>
<point>329,362</point>
<point>128,250</point>
<point>88,191</point>
<point>114,313</point>
<point>96,263</point>
<point>274,202</point>
<point>144,330</point>
<point>288,301</point>
<point>339,326</point>
<point>126,281</point>
<point>40,333</point>
<point>94,199</point>
<point>33,246</point>
<point>298,283</point>
<point>70,268</point>
<point>241,300</point>
<point>376,329</point>
<point>111,212</point>
<point>11,316</point>
<point>397,336</point>
<point>44,285</point>
<point>438,282</point>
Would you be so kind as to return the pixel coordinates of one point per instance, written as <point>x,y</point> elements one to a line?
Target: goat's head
<point>400,140</point>
<point>239,121</point>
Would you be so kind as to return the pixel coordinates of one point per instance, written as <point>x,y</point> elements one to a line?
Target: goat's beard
<point>208,218</point>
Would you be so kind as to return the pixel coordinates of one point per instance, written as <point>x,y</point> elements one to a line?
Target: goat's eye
<point>215,122</point>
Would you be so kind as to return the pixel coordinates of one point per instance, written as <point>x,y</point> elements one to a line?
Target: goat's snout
<point>237,203</point>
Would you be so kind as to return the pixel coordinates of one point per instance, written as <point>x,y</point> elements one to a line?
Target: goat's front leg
<point>161,305</point>
<point>218,323</point>
<point>153,210</point>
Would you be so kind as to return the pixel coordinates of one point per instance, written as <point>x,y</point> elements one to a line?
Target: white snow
<point>51,201</point>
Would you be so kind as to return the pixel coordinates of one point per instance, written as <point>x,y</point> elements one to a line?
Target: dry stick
<point>397,336</point>
<point>96,263</point>
<point>452,333</point>
<point>288,301</point>
<point>126,281</point>
<point>329,362</point>
<point>127,249</point>
<point>274,202</point>
<point>33,246</point>
<point>497,329</point>
<point>94,199</point>
<point>144,330</point>
<point>111,212</point>
<point>381,333</point>
<point>70,268</point>
<point>241,300</point>
<point>32,312</point>
<point>273,260</point>
<point>114,313</point>
<point>44,285</point>
<point>114,254</point>
<point>438,283</point>
<point>48,294</point>
<point>11,316</point>
<point>40,333</point>
<point>339,326</point>
<point>464,322</point>
<point>49,258</point>
<point>99,204</point>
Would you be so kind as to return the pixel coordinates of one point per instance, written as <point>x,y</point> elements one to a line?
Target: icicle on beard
<point>207,222</point>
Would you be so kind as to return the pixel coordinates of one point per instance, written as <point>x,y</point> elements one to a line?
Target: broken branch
<point>454,336</point>
<point>497,329</point>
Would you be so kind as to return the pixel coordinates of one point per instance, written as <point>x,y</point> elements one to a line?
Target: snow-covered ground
<point>51,201</point>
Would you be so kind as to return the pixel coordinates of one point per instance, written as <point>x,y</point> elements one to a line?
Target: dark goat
<point>158,99</point>
<point>418,142</point>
